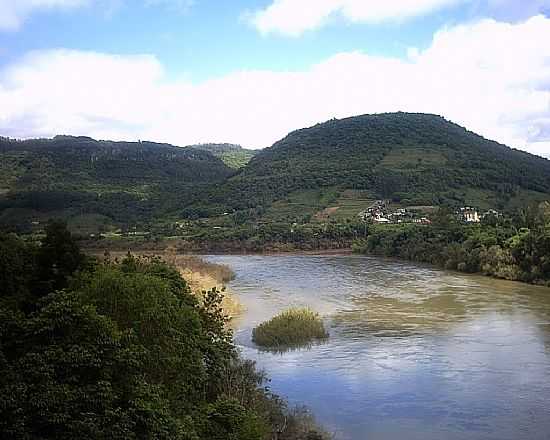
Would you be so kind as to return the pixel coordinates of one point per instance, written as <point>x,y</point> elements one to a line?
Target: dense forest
<point>123,350</point>
<point>105,183</point>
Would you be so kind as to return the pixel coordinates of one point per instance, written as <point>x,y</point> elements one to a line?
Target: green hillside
<point>326,173</point>
<point>412,159</point>
<point>234,156</point>
<point>99,184</point>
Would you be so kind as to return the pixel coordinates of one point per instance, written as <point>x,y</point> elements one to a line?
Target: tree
<point>58,257</point>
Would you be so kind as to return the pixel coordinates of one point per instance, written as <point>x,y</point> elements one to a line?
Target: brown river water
<point>414,353</point>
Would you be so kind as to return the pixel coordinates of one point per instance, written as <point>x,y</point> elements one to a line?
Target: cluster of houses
<point>381,212</point>
<point>472,215</point>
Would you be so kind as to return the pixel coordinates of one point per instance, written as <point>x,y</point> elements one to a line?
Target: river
<point>414,353</point>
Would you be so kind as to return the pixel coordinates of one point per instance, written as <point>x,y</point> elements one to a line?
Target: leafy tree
<point>123,351</point>
<point>58,257</point>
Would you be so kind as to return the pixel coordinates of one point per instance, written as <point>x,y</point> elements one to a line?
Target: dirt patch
<point>326,213</point>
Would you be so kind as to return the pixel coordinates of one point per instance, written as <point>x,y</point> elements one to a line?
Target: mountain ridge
<point>120,183</point>
<point>419,159</point>
<point>412,159</point>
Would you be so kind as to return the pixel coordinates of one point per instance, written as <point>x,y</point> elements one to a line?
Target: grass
<point>298,204</point>
<point>321,205</point>
<point>237,159</point>
<point>293,327</point>
<point>219,272</point>
<point>350,204</point>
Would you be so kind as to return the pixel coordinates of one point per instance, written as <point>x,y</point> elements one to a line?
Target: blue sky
<point>249,71</point>
<point>209,38</point>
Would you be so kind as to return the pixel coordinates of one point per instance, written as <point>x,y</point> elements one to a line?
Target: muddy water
<point>414,352</point>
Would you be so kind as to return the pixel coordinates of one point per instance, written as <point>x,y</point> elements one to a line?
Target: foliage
<point>293,327</point>
<point>412,159</point>
<point>496,247</point>
<point>58,256</point>
<point>128,183</point>
<point>122,351</point>
<point>416,159</point>
<point>234,156</point>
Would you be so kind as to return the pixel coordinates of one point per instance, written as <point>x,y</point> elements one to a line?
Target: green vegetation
<point>99,186</point>
<point>510,248</point>
<point>305,192</point>
<point>291,328</point>
<point>234,156</point>
<point>122,350</point>
<point>413,159</point>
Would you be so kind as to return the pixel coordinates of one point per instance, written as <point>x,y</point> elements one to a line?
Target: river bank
<point>201,275</point>
<point>203,282</point>
<point>414,351</point>
<point>231,247</point>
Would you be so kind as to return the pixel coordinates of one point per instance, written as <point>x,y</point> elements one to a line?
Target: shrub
<point>293,327</point>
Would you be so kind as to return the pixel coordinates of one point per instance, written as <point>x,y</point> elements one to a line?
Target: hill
<point>100,184</point>
<point>234,156</point>
<point>328,172</point>
<point>411,159</point>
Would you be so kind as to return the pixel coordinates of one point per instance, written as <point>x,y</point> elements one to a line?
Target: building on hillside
<point>491,213</point>
<point>381,212</point>
<point>422,221</point>
<point>381,220</point>
<point>378,209</point>
<point>469,215</point>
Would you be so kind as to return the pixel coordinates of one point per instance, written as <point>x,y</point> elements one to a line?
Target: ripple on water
<point>414,352</point>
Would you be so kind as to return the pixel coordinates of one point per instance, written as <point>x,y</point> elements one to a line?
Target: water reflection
<point>414,353</point>
<point>283,349</point>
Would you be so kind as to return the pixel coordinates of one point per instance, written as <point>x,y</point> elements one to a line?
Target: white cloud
<point>294,17</point>
<point>14,12</point>
<point>492,77</point>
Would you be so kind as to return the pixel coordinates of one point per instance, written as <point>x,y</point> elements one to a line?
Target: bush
<point>123,351</point>
<point>293,327</point>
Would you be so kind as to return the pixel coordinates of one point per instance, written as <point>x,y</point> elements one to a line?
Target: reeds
<point>291,328</point>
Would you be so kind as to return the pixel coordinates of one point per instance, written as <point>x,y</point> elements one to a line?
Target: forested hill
<point>232,155</point>
<point>116,182</point>
<point>85,158</point>
<point>414,159</point>
<point>330,171</point>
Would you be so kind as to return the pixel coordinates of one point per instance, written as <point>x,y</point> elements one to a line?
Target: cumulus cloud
<point>294,17</point>
<point>493,78</point>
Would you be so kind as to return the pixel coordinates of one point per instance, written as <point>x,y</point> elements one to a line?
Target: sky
<point>250,71</point>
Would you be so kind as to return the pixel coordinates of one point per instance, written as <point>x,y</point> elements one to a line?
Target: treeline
<point>514,249</point>
<point>122,350</point>
<point>132,183</point>
<point>272,237</point>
